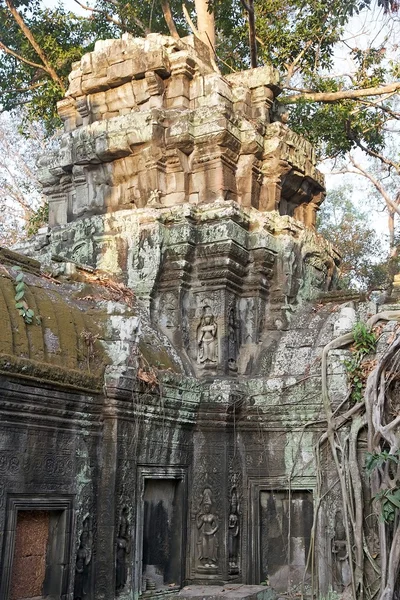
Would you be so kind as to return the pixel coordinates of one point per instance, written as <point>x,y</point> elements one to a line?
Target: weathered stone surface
<point>165,410</point>
<point>200,133</point>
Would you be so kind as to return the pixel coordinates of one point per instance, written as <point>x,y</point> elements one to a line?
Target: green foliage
<point>310,27</point>
<point>390,503</point>
<point>388,498</point>
<point>39,218</point>
<point>62,36</point>
<point>380,459</point>
<point>20,301</point>
<point>349,230</point>
<point>364,339</point>
<point>355,379</point>
<point>364,344</point>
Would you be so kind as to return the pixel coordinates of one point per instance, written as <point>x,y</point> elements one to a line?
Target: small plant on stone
<point>20,301</point>
<point>357,370</point>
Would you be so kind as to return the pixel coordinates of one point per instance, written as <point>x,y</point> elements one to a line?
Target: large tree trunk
<point>205,23</point>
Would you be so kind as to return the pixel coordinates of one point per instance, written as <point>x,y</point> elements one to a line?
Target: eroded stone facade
<point>150,123</point>
<point>169,397</point>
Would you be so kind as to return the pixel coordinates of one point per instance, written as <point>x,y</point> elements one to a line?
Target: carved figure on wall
<point>123,548</point>
<point>83,558</point>
<point>207,525</point>
<point>233,533</point>
<point>341,556</point>
<point>232,340</point>
<point>207,338</point>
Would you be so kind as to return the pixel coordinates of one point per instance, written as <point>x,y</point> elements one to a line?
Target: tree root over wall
<point>375,415</point>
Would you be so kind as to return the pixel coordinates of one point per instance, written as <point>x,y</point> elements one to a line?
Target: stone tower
<point>169,390</point>
<point>180,182</point>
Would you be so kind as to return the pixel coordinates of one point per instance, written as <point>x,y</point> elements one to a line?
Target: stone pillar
<point>104,576</point>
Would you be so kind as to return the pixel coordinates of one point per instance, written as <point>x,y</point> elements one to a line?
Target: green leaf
<point>394,500</point>
<point>30,313</point>
<point>19,296</point>
<point>19,277</point>
<point>20,286</point>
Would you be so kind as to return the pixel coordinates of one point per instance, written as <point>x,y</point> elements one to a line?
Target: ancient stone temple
<point>161,400</point>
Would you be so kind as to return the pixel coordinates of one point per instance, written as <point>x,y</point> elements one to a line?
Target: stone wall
<point>164,408</point>
<point>151,123</point>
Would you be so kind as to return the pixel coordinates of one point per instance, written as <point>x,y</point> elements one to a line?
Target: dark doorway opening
<point>285,530</point>
<point>162,564</point>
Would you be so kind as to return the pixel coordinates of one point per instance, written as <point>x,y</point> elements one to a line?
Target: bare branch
<point>19,57</point>
<point>107,17</point>
<point>333,97</point>
<point>383,159</point>
<point>292,67</point>
<point>377,185</point>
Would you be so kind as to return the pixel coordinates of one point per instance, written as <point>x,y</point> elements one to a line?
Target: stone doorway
<point>279,531</point>
<point>285,528</point>
<point>162,527</point>
<point>35,562</point>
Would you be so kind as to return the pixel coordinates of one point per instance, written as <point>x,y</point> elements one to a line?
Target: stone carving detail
<point>123,549</point>
<point>83,559</point>
<point>169,308</point>
<point>207,525</point>
<point>233,533</point>
<point>232,340</point>
<point>340,555</point>
<point>207,339</point>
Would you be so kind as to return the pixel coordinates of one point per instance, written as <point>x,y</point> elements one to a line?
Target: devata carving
<point>207,525</point>
<point>83,558</point>
<point>233,534</point>
<point>123,548</point>
<point>207,339</point>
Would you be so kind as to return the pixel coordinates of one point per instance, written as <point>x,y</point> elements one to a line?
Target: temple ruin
<point>159,412</point>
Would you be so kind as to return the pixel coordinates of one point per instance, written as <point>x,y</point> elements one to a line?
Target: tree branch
<point>377,185</point>
<point>291,68</point>
<point>166,8</point>
<point>19,57</point>
<point>137,21</point>
<point>107,17</point>
<point>332,97</point>
<point>28,34</point>
<point>383,159</point>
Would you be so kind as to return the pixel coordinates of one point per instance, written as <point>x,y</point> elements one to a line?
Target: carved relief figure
<point>341,557</point>
<point>123,548</point>
<point>232,340</point>
<point>233,533</point>
<point>207,525</point>
<point>207,338</point>
<point>83,558</point>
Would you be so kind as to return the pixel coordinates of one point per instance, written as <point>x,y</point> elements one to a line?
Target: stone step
<point>234,591</point>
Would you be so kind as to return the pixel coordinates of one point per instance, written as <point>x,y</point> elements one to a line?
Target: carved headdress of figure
<point>207,497</point>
